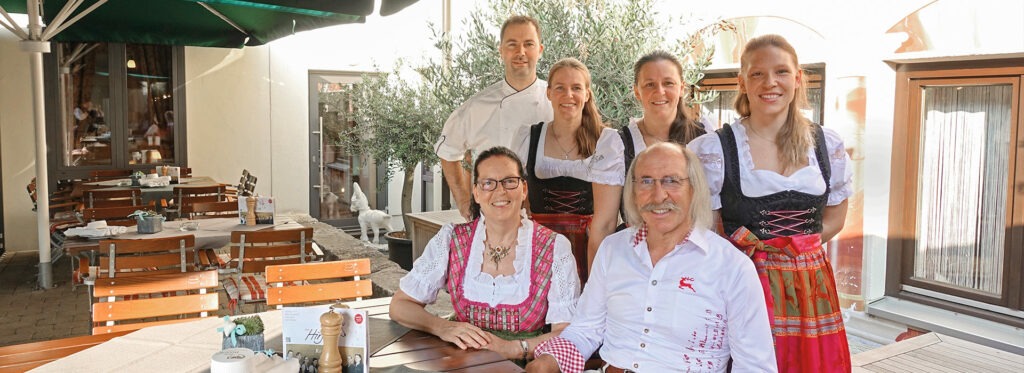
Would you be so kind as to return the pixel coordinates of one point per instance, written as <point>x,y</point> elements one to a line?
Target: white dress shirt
<point>700,304</point>
<point>430,273</point>
<point>605,166</point>
<point>758,183</point>
<point>491,117</point>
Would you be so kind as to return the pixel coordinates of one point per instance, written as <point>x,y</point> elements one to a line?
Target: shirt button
<point>643,345</point>
<point>655,282</point>
<point>648,309</point>
<point>647,330</point>
<point>636,366</point>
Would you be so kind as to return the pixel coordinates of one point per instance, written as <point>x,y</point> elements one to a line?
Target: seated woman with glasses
<point>507,276</point>
<point>573,162</point>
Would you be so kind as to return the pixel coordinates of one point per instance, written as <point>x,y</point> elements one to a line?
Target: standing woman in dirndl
<point>780,185</point>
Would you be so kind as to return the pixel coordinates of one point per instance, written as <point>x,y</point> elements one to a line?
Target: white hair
<point>700,199</point>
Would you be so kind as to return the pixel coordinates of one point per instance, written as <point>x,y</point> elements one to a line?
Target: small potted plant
<point>149,221</point>
<point>245,332</point>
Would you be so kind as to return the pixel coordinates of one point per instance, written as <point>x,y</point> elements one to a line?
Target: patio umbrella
<point>205,23</point>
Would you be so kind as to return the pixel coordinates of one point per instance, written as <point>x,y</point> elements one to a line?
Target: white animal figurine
<point>375,219</point>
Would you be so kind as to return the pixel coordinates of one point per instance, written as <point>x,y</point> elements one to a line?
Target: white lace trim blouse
<point>603,167</point>
<point>757,183</point>
<point>429,273</point>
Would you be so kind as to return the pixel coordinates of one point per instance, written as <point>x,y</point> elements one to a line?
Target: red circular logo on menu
<point>359,319</point>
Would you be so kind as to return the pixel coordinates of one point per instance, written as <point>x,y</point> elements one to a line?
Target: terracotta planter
<point>399,249</point>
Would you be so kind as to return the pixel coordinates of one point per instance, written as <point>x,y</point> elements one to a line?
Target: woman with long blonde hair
<point>779,184</point>
<point>562,163</point>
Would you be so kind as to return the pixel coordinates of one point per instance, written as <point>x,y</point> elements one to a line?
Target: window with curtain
<point>957,199</point>
<point>962,190</point>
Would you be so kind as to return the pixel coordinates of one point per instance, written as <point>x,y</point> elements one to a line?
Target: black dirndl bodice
<point>785,213</point>
<point>557,195</point>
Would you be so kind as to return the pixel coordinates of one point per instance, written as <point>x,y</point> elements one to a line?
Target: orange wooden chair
<point>252,251</point>
<point>112,197</point>
<point>113,215</point>
<point>209,210</point>
<point>127,258</point>
<point>186,298</point>
<point>279,276</point>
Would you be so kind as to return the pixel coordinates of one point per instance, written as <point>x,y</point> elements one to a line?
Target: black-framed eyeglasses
<point>509,183</point>
<point>669,183</point>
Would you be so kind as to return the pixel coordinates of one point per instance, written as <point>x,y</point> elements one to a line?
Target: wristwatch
<point>526,348</point>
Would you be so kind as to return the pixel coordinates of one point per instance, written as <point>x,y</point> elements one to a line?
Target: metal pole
<point>35,49</point>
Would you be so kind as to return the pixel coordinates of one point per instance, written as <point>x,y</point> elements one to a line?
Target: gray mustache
<point>660,206</point>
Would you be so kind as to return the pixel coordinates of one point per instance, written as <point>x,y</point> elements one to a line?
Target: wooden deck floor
<point>939,353</point>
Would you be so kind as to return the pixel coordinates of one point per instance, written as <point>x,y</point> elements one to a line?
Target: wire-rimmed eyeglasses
<point>509,183</point>
<point>669,183</point>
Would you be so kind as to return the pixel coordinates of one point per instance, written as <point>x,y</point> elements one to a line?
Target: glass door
<point>334,173</point>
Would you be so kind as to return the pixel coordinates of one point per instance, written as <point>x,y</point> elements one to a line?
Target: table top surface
<point>187,347</point>
<point>212,233</point>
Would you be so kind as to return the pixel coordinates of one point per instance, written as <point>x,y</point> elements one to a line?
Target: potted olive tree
<point>395,122</point>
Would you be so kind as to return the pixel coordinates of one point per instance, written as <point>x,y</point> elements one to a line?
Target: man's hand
<point>543,364</point>
<point>464,335</point>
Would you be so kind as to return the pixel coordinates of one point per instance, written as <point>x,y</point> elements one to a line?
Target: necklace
<point>752,130</point>
<point>565,153</point>
<point>497,252</point>
<point>642,126</point>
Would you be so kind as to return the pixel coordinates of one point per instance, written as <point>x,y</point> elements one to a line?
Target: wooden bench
<point>23,357</point>
<point>278,276</point>
<point>108,316</point>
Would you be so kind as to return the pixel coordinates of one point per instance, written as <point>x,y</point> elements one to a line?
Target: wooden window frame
<point>903,201</point>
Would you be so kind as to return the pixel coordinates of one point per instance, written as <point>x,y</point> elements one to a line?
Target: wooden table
<point>425,226</point>
<point>187,347</point>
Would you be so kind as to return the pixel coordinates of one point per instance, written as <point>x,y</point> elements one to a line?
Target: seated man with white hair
<point>666,294</point>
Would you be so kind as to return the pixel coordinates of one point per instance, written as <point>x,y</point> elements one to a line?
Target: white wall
<point>17,149</point>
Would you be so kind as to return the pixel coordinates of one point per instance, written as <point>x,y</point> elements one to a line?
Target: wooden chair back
<point>113,215</point>
<point>208,210</point>
<point>352,286</point>
<point>62,205</point>
<point>253,251</point>
<point>127,258</point>
<point>184,297</point>
<point>185,196</point>
<point>113,197</point>
<point>101,175</point>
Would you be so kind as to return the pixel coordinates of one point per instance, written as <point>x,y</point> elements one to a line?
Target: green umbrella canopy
<point>205,23</point>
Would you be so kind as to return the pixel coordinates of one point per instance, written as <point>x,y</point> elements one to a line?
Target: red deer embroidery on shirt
<point>686,283</point>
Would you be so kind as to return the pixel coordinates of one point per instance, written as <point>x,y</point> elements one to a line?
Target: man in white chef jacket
<point>492,116</point>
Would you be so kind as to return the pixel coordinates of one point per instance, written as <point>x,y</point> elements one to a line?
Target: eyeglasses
<point>668,183</point>
<point>509,183</point>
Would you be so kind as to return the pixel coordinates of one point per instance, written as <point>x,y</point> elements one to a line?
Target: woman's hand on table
<point>464,335</point>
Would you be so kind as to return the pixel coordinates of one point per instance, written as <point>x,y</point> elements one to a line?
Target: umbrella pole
<point>42,184</point>
<point>35,48</point>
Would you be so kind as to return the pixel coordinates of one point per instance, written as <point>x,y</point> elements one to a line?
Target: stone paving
<point>30,315</point>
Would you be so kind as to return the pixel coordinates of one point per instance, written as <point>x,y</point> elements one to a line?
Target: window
<point>114,106</point>
<point>721,110</point>
<point>957,205</point>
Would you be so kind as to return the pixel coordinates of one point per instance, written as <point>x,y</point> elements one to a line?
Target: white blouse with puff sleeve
<point>605,166</point>
<point>429,273</point>
<point>757,183</point>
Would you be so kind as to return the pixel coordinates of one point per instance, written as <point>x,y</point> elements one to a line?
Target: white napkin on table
<point>96,231</point>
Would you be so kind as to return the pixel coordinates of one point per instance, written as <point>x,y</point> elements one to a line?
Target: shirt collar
<point>511,90</point>
<point>696,237</point>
